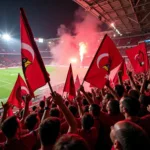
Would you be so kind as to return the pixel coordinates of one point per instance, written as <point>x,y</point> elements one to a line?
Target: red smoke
<point>85,29</point>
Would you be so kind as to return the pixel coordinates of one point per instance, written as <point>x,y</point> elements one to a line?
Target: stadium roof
<point>128,16</point>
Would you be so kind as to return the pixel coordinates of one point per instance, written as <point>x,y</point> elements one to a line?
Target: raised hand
<point>6,106</point>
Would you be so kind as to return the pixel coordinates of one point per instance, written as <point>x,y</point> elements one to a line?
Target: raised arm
<point>5,111</point>
<point>68,115</point>
<point>89,99</point>
<point>27,99</point>
<point>112,91</point>
<point>133,85</point>
<point>47,108</point>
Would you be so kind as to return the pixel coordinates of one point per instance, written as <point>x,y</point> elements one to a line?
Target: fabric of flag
<point>32,64</point>
<point>69,84</point>
<point>138,58</point>
<point>20,89</point>
<point>77,83</point>
<point>113,77</point>
<point>106,58</point>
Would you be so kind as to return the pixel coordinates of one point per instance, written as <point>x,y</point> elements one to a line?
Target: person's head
<point>49,131</point>
<point>127,135</point>
<point>87,121</point>
<point>71,142</point>
<point>73,110</point>
<point>86,109</point>
<point>54,112</point>
<point>85,102</point>
<point>32,121</point>
<point>113,107</point>
<point>134,93</point>
<point>129,106</point>
<point>144,100</point>
<point>66,103</point>
<point>94,109</point>
<point>119,89</point>
<point>42,104</point>
<point>34,108</point>
<point>11,127</point>
<point>107,98</point>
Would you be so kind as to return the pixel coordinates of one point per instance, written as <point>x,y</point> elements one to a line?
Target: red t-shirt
<point>26,142</point>
<point>116,118</point>
<point>90,136</point>
<point>144,122</point>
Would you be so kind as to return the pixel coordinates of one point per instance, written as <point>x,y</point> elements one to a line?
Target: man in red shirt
<point>49,131</point>
<point>130,108</point>
<point>126,135</point>
<point>11,128</point>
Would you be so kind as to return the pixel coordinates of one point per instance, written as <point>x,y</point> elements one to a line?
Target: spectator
<point>49,131</point>
<point>126,135</point>
<point>71,142</point>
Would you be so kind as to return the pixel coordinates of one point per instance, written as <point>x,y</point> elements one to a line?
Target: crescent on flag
<point>28,48</point>
<point>25,89</point>
<point>100,57</point>
<point>136,56</point>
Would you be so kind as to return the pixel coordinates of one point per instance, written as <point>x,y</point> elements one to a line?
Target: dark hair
<point>86,109</point>
<point>109,96</point>
<point>49,130</point>
<point>42,104</point>
<point>71,142</point>
<point>54,112</point>
<point>85,102</point>
<point>133,93</point>
<point>131,105</point>
<point>9,126</point>
<point>131,136</point>
<point>31,121</point>
<point>87,121</point>
<point>95,110</point>
<point>119,89</point>
<point>34,108</point>
<point>66,103</point>
<point>144,100</point>
<point>73,110</point>
<point>114,107</point>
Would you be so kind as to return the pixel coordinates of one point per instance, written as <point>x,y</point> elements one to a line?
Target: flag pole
<point>50,87</point>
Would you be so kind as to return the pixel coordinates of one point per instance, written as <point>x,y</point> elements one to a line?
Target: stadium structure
<point>128,25</point>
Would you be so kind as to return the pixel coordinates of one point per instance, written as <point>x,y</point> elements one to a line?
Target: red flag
<point>69,84</point>
<point>113,77</point>
<point>77,83</point>
<point>33,67</point>
<point>10,112</point>
<point>18,91</point>
<point>106,58</point>
<point>138,58</point>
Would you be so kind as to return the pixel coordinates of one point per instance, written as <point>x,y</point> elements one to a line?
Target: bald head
<point>129,136</point>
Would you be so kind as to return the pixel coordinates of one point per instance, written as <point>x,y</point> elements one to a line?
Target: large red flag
<point>20,89</point>
<point>77,83</point>
<point>106,58</point>
<point>32,64</point>
<point>69,84</point>
<point>138,58</point>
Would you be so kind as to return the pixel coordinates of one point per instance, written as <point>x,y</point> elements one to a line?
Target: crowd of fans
<point>106,119</point>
